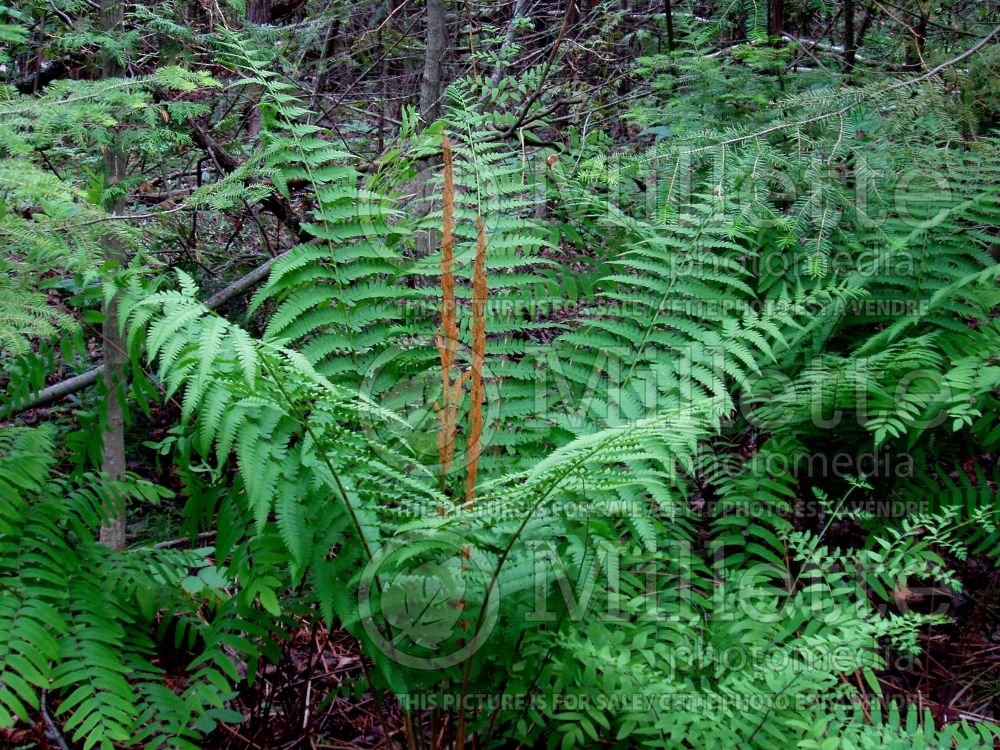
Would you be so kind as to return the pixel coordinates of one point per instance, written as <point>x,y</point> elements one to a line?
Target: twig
<point>124,217</point>
<point>240,737</point>
<point>570,5</point>
<point>53,731</point>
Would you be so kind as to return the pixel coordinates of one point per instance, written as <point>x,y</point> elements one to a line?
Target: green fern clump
<point>668,339</point>
<point>73,618</point>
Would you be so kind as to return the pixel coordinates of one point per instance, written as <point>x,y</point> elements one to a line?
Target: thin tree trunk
<point>328,51</point>
<point>508,40</point>
<point>865,23</point>
<point>430,83</point>
<point>430,110</point>
<point>849,41</point>
<point>113,437</point>
<point>259,13</point>
<point>668,13</point>
<point>915,49</point>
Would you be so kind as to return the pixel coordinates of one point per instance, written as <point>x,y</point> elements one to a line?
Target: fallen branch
<point>540,86</point>
<point>77,383</point>
<point>53,70</point>
<point>808,45</point>
<point>205,536</point>
<point>274,203</point>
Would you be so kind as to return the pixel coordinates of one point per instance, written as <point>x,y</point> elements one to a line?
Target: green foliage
<point>673,333</point>
<point>77,619</point>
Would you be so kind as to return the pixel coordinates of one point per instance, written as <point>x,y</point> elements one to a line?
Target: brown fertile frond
<point>447,338</point>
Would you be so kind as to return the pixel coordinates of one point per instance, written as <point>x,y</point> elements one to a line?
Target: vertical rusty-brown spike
<point>447,338</point>
<point>476,393</point>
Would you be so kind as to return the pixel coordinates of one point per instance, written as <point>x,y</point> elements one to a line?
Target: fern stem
<point>355,521</point>
<point>553,485</point>
<point>479,291</point>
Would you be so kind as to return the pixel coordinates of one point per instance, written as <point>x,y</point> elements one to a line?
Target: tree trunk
<point>775,17</point>
<point>328,51</point>
<point>430,84</point>
<point>259,12</point>
<point>849,41</point>
<point>113,437</point>
<point>668,13</point>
